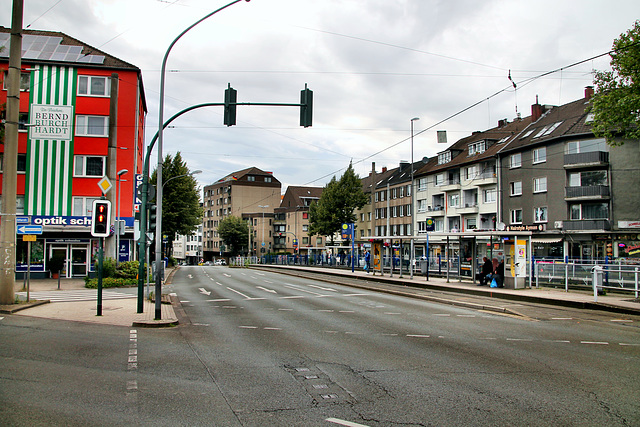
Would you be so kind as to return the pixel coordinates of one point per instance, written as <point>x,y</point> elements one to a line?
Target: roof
<point>59,48</point>
<point>566,121</point>
<point>242,175</point>
<point>297,197</point>
<point>496,139</point>
<point>401,174</point>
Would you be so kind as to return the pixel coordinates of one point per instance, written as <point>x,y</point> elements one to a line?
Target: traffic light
<point>100,218</point>
<point>306,107</point>
<point>230,99</point>
<point>152,218</point>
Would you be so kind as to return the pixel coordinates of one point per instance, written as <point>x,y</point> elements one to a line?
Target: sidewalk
<point>120,312</point>
<point>458,292</point>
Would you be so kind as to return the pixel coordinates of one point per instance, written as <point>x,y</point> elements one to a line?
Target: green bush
<point>128,270</point>
<point>110,282</point>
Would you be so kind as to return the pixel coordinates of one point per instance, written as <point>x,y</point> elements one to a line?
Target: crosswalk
<point>75,295</point>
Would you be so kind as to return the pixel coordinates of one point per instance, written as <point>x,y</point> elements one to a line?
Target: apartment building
<point>572,189</point>
<point>82,117</point>
<point>291,228</point>
<point>249,193</point>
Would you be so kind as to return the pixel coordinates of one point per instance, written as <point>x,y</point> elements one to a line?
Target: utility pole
<point>10,166</point>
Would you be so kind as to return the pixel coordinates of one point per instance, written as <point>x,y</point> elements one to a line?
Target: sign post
<point>28,233</point>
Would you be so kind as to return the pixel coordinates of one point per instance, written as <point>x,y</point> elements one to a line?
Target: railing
<point>592,157</point>
<point>587,224</point>
<point>592,191</point>
<point>577,274</point>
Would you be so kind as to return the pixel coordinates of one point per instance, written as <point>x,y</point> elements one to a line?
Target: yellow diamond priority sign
<point>105,185</point>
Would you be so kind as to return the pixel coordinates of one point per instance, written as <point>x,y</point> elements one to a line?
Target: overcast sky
<point>373,65</point>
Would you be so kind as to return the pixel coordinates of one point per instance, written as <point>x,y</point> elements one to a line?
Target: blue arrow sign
<point>29,229</point>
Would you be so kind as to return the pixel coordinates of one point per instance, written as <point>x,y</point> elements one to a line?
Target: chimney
<point>536,110</point>
<point>384,169</point>
<point>588,92</point>
<point>503,123</point>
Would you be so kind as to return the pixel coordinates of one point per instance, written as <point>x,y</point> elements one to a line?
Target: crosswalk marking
<point>76,295</point>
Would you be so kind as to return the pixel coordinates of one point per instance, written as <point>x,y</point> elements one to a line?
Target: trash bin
<point>423,266</point>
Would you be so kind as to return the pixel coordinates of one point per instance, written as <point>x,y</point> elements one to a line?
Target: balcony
<point>485,178</point>
<point>435,209</point>
<point>450,185</point>
<point>468,208</point>
<point>579,160</point>
<point>587,192</point>
<point>587,225</point>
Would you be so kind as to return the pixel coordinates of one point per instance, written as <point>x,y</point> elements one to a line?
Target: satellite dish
<point>501,226</point>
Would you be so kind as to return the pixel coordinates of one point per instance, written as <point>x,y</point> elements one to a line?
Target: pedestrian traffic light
<point>152,218</point>
<point>230,99</point>
<point>306,107</point>
<point>100,218</point>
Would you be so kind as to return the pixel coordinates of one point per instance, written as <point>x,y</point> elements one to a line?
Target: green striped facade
<point>49,171</point>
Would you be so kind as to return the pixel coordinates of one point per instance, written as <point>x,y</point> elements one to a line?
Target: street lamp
<point>119,179</point>
<point>414,219</point>
<point>180,176</point>
<point>263,207</point>
<point>158,290</point>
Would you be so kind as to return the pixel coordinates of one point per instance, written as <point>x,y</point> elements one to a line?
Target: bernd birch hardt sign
<point>53,122</point>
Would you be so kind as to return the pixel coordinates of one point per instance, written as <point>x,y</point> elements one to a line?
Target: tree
<point>616,103</point>
<point>234,233</point>
<point>181,210</point>
<point>336,206</point>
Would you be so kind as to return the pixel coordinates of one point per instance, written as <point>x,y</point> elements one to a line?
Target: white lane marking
<point>622,320</point>
<point>259,274</point>
<point>239,293</point>
<point>267,281</point>
<point>595,342</point>
<point>519,339</point>
<point>627,344</point>
<point>219,284</point>
<point>182,301</point>
<point>344,422</point>
<point>442,314</point>
<point>293,297</point>
<point>562,318</point>
<point>266,290</point>
<point>346,311</point>
<point>272,329</point>
<point>322,288</point>
<point>1,318</point>
<point>290,286</point>
<point>326,311</point>
<point>465,315</point>
<point>190,276</point>
<point>205,292</point>
<point>389,335</point>
<point>285,309</point>
<point>391,313</point>
<point>226,275</point>
<point>248,327</point>
<point>418,336</point>
<point>218,300</point>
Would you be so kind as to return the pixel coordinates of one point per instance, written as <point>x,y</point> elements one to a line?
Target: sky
<point>373,65</point>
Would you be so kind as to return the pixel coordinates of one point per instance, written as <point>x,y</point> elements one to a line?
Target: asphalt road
<point>258,348</point>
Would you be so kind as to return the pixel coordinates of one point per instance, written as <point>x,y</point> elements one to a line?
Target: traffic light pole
<point>142,247</point>
<point>100,257</point>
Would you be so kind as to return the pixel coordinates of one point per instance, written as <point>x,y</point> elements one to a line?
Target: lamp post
<point>263,207</point>
<point>158,290</point>
<point>119,179</point>
<point>414,219</point>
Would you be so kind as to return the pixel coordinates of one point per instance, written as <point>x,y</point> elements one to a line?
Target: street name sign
<point>29,229</point>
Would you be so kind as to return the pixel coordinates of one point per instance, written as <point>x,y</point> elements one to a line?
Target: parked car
<point>221,262</point>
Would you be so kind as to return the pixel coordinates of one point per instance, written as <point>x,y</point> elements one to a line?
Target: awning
<point>554,239</point>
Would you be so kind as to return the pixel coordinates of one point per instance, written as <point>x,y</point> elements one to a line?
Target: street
<point>258,348</point>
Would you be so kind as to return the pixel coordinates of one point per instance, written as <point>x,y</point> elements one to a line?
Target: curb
<point>14,308</point>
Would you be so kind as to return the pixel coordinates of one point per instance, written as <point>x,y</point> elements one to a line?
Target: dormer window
<point>444,157</point>
<point>477,148</point>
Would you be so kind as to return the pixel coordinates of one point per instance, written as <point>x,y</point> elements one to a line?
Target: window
<point>93,86</point>
<point>92,125</point>
<point>550,129</point>
<point>589,211</point>
<point>516,216</point>
<point>454,200</point>
<point>267,179</point>
<point>19,205</point>
<point>515,161</point>
<point>22,162</point>
<point>444,157</point>
<point>394,193</point>
<point>471,224</point>
<point>529,132</point>
<point>477,148</point>
<point>438,225</point>
<point>516,188</point>
<point>540,185</point>
<point>82,206</point>
<point>305,215</point>
<point>540,155</point>
<point>588,178</point>
<point>489,196</point>
<point>540,214</point>
<point>89,166</point>
<point>422,205</point>
<point>440,179</point>
<point>25,80</point>
<point>588,146</point>
<point>422,184</point>
<point>471,172</point>
<point>251,178</point>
